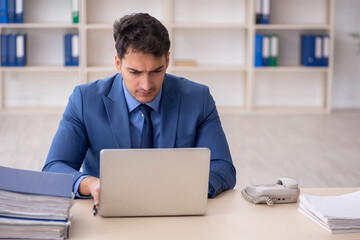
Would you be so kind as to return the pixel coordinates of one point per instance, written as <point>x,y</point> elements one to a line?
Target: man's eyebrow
<point>157,69</point>
<point>154,70</point>
<point>134,70</point>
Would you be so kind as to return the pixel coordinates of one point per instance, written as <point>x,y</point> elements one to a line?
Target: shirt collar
<point>132,103</point>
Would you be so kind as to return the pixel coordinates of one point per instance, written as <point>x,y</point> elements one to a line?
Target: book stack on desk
<point>337,214</point>
<point>34,205</point>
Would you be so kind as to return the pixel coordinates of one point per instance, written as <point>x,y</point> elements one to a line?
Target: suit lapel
<point>170,107</point>
<point>117,113</point>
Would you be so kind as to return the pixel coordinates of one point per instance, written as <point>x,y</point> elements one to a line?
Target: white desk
<point>229,216</point>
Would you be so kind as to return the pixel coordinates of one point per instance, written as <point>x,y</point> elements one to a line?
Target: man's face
<point>143,74</point>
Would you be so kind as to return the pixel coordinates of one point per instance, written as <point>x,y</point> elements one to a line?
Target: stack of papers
<point>34,205</point>
<point>337,214</point>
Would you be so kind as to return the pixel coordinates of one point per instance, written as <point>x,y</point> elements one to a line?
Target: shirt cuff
<point>76,187</point>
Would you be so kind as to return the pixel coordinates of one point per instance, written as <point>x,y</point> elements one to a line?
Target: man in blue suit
<point>109,113</point>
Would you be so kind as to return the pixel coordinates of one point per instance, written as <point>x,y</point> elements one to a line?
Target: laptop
<point>154,182</point>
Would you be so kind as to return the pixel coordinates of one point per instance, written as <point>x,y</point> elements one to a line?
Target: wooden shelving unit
<point>219,36</point>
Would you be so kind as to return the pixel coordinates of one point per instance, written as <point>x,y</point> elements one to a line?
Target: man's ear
<point>118,63</point>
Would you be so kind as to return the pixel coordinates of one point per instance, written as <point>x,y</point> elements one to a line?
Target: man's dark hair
<point>141,32</point>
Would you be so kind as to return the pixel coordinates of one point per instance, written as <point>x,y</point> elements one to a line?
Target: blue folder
<point>258,50</point>
<point>11,11</point>
<point>20,50</point>
<point>75,50</point>
<point>3,11</point>
<point>34,182</point>
<point>12,50</point>
<point>67,49</point>
<point>308,50</point>
<point>4,50</point>
<point>19,11</point>
<point>325,51</point>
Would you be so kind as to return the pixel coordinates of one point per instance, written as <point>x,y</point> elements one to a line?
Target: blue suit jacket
<point>96,118</point>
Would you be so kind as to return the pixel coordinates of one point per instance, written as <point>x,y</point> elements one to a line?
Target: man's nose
<point>145,82</point>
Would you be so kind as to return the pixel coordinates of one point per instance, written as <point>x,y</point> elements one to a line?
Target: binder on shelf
<point>3,11</point>
<point>11,11</point>
<point>265,50</point>
<point>4,50</point>
<point>265,12</point>
<point>325,51</point>
<point>258,12</point>
<point>19,11</point>
<point>308,50</point>
<point>75,11</point>
<point>67,48</point>
<point>258,50</point>
<point>20,50</point>
<point>12,50</point>
<point>318,50</point>
<point>274,50</point>
<point>71,42</point>
<point>75,50</point>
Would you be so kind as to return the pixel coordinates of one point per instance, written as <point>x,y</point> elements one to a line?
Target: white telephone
<point>284,190</point>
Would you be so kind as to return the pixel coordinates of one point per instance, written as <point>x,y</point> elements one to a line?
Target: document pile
<point>34,205</point>
<point>337,214</point>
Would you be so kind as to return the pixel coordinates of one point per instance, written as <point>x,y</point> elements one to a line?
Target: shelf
<point>39,25</point>
<point>286,69</point>
<point>209,26</point>
<point>292,27</point>
<point>99,26</point>
<point>101,69</point>
<point>201,68</point>
<point>40,69</point>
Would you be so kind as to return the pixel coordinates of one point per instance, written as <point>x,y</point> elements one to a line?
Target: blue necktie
<point>147,131</point>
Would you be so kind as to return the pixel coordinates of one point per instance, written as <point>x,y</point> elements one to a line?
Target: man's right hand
<point>90,186</point>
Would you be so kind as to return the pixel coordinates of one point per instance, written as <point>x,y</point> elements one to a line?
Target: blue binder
<point>12,50</point>
<point>75,50</point>
<point>20,49</point>
<point>3,11</point>
<point>325,51</point>
<point>258,50</point>
<point>33,182</point>
<point>318,50</point>
<point>4,50</point>
<point>265,50</point>
<point>265,12</point>
<point>11,11</point>
<point>67,49</point>
<point>308,50</point>
<point>19,11</point>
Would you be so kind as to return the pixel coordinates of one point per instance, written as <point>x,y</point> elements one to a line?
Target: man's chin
<point>145,99</point>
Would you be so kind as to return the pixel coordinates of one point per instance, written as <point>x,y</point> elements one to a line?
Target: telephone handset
<point>284,190</point>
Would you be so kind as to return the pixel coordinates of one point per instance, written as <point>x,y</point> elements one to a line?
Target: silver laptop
<point>154,182</point>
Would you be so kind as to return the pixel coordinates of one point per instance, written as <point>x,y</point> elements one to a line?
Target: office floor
<point>320,150</point>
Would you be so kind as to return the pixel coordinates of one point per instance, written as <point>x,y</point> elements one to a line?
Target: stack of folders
<point>34,205</point>
<point>315,50</point>
<point>11,11</point>
<point>71,42</point>
<point>337,214</point>
<point>266,50</point>
<point>13,50</point>
<point>262,14</point>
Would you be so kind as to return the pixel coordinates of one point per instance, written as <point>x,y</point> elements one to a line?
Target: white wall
<point>346,81</point>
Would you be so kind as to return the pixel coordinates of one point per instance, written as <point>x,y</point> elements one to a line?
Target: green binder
<point>274,50</point>
<point>75,11</point>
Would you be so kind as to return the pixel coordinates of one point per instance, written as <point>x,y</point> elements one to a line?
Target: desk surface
<point>229,216</point>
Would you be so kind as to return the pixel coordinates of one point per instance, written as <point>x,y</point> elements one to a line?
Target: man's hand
<point>90,185</point>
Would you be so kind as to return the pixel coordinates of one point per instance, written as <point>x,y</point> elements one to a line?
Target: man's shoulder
<point>183,85</point>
